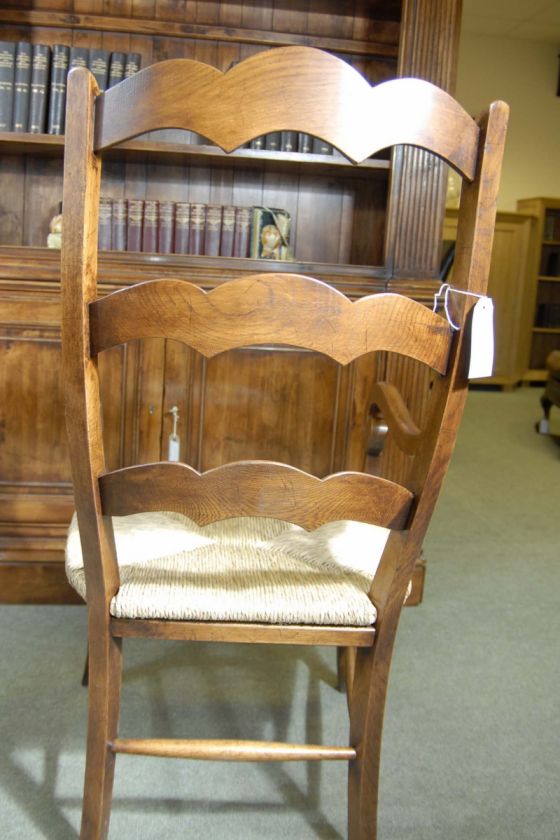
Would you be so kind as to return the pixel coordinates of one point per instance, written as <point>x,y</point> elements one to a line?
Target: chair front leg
<point>105,668</point>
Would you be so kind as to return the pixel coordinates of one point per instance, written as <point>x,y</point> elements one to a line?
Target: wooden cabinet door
<point>36,501</point>
<point>273,403</point>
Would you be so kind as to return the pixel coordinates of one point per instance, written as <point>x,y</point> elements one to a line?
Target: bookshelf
<point>544,308</point>
<point>359,228</point>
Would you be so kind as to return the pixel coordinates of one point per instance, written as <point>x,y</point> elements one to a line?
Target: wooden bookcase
<point>510,285</point>
<point>359,229</point>
<point>544,304</point>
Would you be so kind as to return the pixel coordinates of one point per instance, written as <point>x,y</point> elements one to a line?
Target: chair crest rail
<point>339,106</point>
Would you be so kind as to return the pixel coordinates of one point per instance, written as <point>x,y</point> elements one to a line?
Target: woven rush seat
<point>246,569</point>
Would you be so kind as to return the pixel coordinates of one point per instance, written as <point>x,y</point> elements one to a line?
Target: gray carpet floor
<point>472,744</point>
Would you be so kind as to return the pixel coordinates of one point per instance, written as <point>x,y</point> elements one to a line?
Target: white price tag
<point>174,448</point>
<point>482,339</point>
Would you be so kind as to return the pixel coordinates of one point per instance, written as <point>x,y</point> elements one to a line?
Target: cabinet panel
<point>511,288</point>
<point>279,405</point>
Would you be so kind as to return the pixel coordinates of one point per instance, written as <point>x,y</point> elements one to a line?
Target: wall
<point>524,74</point>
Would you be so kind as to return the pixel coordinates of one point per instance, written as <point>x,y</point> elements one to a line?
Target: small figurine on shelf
<point>54,239</point>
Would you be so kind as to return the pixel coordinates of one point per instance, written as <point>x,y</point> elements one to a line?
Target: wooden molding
<point>385,47</point>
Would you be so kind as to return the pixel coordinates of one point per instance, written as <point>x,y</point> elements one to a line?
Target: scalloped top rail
<point>285,309</point>
<point>255,488</point>
<point>289,88</point>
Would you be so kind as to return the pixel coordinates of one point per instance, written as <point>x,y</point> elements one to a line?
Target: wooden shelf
<point>547,278</point>
<point>385,46</point>
<point>149,151</point>
<point>547,330</point>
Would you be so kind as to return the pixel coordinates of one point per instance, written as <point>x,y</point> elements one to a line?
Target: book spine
<point>135,218</point>
<point>7,70</point>
<point>213,230</point>
<point>196,233</point>
<point>39,88</point>
<point>182,227</point>
<point>241,233</point>
<point>79,57</point>
<point>60,57</point>
<point>105,239</point>
<point>289,141</point>
<point>132,64</point>
<point>228,231</point>
<point>273,141</point>
<point>166,225</point>
<point>257,143</point>
<point>305,143</point>
<point>22,86</point>
<point>321,147</point>
<point>116,68</point>
<point>150,226</point>
<point>98,64</point>
<point>119,223</point>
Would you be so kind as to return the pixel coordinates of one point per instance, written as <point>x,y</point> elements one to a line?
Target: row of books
<point>33,81</point>
<point>548,315</point>
<point>180,227</point>
<point>552,225</point>
<point>292,141</point>
<point>550,260</point>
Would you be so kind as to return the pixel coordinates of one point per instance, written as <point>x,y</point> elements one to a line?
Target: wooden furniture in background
<point>316,93</point>
<point>510,285</point>
<point>544,303</point>
<point>358,229</point>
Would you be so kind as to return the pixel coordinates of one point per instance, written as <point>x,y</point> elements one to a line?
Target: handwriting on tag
<point>482,339</point>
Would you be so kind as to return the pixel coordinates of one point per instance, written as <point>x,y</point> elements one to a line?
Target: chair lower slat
<point>223,750</point>
<point>201,631</point>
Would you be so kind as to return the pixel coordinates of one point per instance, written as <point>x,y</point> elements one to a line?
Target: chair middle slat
<point>271,308</point>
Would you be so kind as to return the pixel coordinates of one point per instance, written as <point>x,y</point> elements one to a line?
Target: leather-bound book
<point>228,230</point>
<point>305,143</point>
<point>116,68</point>
<point>7,70</point>
<point>135,219</point>
<point>182,227</point>
<point>242,231</point>
<point>150,226</point>
<point>79,57</point>
<point>289,141</point>
<point>40,65</point>
<point>98,64</point>
<point>60,58</point>
<point>105,238</point>
<point>132,64</point>
<point>22,86</point>
<point>273,141</point>
<point>321,147</point>
<point>166,224</point>
<point>119,217</point>
<point>213,230</point>
<point>196,233</point>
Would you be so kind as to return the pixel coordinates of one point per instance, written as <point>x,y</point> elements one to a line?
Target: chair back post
<point>449,392</point>
<point>82,176</point>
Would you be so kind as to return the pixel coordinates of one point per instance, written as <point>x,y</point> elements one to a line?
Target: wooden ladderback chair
<point>258,551</point>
